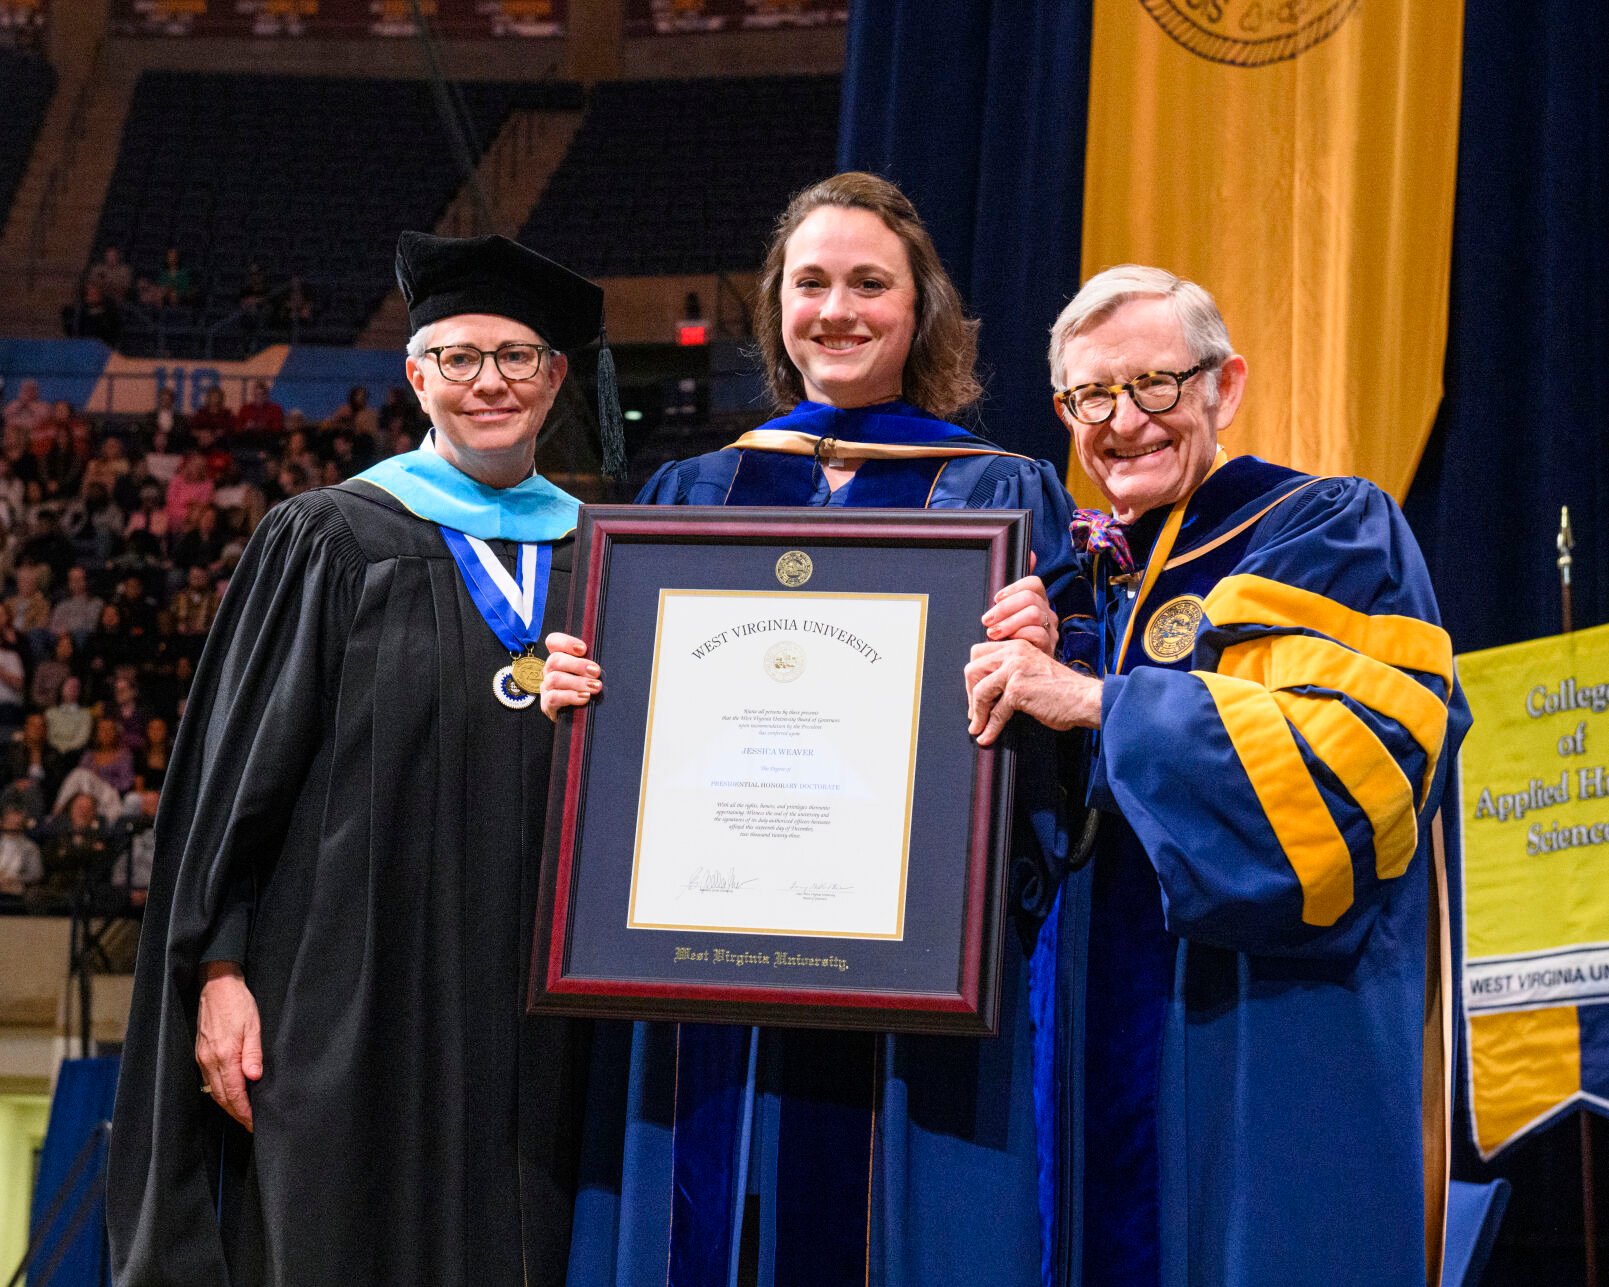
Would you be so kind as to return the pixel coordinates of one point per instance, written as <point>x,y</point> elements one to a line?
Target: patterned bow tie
<point>1094,531</point>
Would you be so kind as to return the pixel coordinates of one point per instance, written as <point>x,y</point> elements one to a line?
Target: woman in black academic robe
<point>345,872</point>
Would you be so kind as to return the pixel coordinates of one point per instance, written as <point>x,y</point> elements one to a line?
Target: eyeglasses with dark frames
<point>1153,392</point>
<point>517,360</point>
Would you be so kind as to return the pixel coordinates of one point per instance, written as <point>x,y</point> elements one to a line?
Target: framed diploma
<point>773,813</point>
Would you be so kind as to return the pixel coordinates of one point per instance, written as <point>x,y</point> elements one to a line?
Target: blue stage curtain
<point>85,1089</point>
<point>976,108</point>
<point>1524,429</point>
<point>1524,425</point>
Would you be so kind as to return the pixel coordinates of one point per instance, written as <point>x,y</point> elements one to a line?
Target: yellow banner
<point>1298,161</point>
<point>1534,805</point>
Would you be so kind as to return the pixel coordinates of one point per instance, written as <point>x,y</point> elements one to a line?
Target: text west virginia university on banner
<point>1534,803</point>
<point>1298,160</point>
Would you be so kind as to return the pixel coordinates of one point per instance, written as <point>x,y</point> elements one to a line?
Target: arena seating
<point>684,176</point>
<point>26,85</point>
<point>307,177</point>
<point>312,177</point>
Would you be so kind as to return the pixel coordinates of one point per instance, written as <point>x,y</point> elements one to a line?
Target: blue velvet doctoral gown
<point>856,1158</point>
<point>1238,979</point>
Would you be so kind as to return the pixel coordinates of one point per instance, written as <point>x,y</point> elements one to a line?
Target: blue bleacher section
<point>311,177</point>
<point>684,176</point>
<point>26,84</point>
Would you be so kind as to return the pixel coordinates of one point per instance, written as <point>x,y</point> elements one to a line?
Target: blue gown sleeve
<point>700,480</point>
<point>1284,781</point>
<point>1037,487</point>
<point>660,489</point>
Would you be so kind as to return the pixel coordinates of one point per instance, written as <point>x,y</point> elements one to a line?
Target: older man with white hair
<point>1232,1086</point>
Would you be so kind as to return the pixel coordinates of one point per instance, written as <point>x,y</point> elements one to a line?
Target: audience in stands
<point>200,540</point>
<point>112,304</point>
<point>213,416</point>
<point>44,690</point>
<point>166,419</point>
<point>111,275</point>
<point>254,289</point>
<point>357,415</point>
<point>27,411</point>
<point>68,725</point>
<point>63,446</point>
<point>30,610</point>
<point>34,768</point>
<point>190,488</point>
<point>117,536</point>
<point>109,757</point>
<point>193,607</point>
<point>148,295</point>
<point>233,495</point>
<point>11,493</point>
<point>260,418</point>
<point>132,870</point>
<point>401,414</point>
<point>129,712</point>
<point>109,467</point>
<point>95,316</point>
<point>75,852</point>
<point>151,763</point>
<point>295,307</point>
<point>175,282</point>
<point>13,677</point>
<point>20,864</point>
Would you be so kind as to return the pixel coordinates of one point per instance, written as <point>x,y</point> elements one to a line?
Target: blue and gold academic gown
<point>835,1159</point>
<point>1233,1072</point>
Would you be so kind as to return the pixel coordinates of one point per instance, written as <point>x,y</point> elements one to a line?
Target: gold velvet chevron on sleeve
<point>1364,656</point>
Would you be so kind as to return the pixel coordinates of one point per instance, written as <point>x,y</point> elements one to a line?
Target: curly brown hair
<point>938,374</point>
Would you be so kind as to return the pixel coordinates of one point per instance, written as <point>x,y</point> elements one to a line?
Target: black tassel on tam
<point>611,428</point>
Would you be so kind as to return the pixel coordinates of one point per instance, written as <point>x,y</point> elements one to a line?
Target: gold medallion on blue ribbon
<point>511,606</point>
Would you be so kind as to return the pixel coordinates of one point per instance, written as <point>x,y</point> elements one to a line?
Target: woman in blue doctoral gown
<point>718,1154</point>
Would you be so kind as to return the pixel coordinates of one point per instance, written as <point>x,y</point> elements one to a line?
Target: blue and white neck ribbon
<point>511,605</point>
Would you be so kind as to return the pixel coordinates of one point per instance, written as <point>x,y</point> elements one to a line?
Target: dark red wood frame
<point>973,1007</point>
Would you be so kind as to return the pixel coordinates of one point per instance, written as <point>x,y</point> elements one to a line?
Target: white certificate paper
<point>779,763</point>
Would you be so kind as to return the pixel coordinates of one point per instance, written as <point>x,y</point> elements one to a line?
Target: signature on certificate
<point>709,880</point>
<point>819,889</point>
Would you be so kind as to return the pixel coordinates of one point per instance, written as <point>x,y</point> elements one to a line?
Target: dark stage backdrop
<point>977,108</point>
<point>1524,425</point>
<point>1523,429</point>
